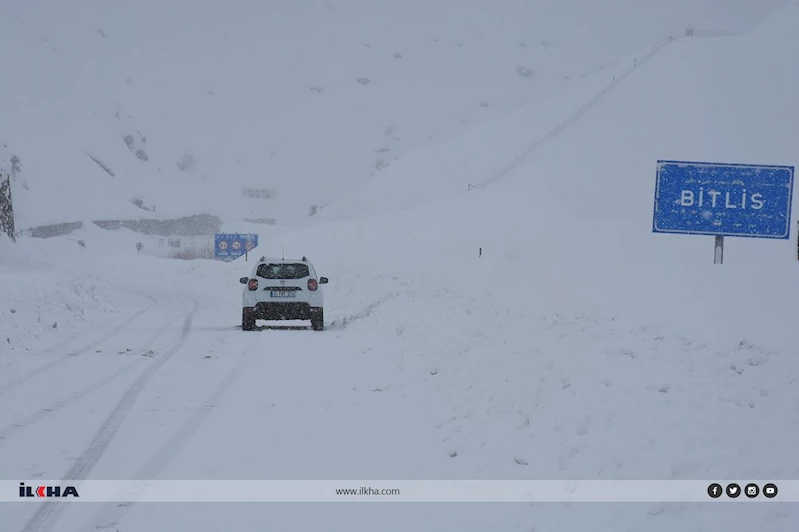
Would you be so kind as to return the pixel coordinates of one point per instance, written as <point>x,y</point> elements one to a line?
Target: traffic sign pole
<point>718,257</point>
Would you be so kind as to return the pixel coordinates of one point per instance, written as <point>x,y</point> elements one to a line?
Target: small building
<point>259,204</point>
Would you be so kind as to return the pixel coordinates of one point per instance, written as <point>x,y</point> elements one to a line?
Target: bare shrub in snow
<point>141,155</point>
<point>380,164</point>
<point>525,72</point>
<point>129,141</point>
<point>140,204</point>
<point>484,103</point>
<point>16,168</point>
<point>363,81</point>
<point>314,209</point>
<point>187,162</point>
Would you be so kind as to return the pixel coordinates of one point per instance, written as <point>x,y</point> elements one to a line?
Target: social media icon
<point>733,490</point>
<point>752,490</point>
<point>714,490</point>
<point>770,490</point>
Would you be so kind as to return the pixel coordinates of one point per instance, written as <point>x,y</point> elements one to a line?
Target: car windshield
<point>283,271</point>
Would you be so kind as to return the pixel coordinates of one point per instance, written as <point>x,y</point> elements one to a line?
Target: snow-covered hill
<point>309,98</point>
<point>577,210</point>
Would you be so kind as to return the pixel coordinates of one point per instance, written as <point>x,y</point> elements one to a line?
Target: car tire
<point>318,319</point>
<point>247,321</point>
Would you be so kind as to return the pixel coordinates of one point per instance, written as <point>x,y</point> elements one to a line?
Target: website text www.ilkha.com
<point>366,491</point>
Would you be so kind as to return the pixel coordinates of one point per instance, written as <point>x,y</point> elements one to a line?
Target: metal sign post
<point>722,199</point>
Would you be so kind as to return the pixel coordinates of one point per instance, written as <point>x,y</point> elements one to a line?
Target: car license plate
<point>282,293</point>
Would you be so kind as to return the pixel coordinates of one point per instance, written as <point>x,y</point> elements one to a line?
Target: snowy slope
<point>267,93</point>
<point>578,210</point>
<point>580,345</point>
<point>674,90</point>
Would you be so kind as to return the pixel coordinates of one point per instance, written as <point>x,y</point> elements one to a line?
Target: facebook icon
<point>714,490</point>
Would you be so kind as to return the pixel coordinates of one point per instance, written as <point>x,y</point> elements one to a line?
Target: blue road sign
<point>230,246</point>
<point>720,199</point>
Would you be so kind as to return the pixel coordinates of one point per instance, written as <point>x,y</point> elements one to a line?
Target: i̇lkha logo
<point>47,491</point>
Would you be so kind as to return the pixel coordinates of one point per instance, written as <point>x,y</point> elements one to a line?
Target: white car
<point>280,289</point>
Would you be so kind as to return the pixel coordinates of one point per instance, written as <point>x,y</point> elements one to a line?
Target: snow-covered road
<point>411,380</point>
<point>65,406</point>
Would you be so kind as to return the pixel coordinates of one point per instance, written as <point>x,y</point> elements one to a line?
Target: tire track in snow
<point>161,458</point>
<point>27,421</point>
<point>26,377</point>
<point>156,301</point>
<point>89,332</point>
<point>48,514</point>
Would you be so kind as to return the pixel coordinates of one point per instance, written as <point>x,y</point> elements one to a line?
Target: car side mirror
<point>323,280</point>
<point>244,280</point>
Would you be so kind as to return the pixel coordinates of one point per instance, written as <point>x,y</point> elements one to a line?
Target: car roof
<point>265,260</point>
